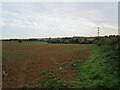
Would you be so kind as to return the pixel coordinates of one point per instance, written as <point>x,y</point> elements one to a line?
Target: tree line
<point>109,42</point>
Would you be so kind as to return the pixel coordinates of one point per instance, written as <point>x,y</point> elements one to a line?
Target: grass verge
<point>100,71</point>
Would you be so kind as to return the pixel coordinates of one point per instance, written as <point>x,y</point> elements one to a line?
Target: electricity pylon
<point>98,31</point>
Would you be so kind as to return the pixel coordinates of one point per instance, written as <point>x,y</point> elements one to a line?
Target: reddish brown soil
<point>29,61</point>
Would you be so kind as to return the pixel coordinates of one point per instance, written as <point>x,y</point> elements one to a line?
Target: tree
<point>20,41</point>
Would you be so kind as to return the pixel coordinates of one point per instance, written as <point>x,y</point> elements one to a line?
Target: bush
<point>108,43</point>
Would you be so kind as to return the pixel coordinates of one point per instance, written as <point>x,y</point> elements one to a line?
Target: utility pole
<point>98,31</point>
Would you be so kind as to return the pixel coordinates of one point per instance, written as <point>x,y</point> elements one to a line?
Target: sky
<point>58,19</point>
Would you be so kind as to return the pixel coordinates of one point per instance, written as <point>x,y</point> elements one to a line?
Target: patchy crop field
<point>32,64</point>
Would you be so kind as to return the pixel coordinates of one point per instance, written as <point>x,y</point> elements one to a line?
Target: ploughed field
<point>29,62</point>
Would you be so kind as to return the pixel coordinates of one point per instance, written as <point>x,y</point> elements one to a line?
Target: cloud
<point>109,26</point>
<point>2,23</point>
<point>51,19</point>
<point>45,22</point>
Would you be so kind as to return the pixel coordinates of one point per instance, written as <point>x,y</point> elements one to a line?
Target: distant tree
<point>76,41</point>
<point>20,41</point>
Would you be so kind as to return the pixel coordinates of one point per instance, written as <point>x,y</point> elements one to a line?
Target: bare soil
<point>26,64</point>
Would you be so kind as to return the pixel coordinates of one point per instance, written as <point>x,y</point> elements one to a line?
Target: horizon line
<point>57,37</point>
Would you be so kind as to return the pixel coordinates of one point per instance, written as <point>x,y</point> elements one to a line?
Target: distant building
<point>90,38</point>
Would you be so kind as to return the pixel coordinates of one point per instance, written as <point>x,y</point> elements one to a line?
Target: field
<point>31,64</point>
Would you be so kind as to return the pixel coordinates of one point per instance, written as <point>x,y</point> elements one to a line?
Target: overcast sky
<point>49,19</point>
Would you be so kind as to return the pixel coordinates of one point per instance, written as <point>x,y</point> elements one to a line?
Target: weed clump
<point>4,74</point>
<point>24,86</point>
<point>35,84</point>
<point>54,82</point>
